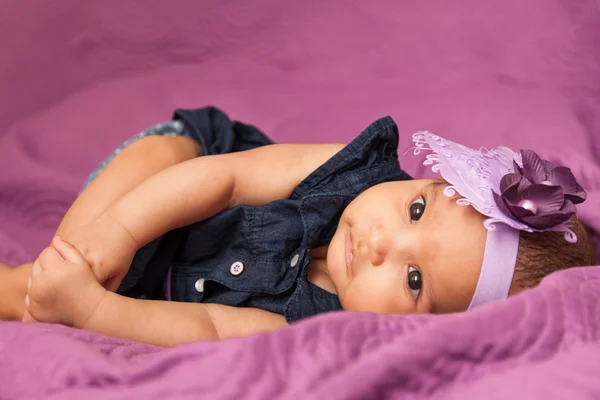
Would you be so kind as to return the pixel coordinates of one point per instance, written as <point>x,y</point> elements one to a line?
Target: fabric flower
<point>540,194</point>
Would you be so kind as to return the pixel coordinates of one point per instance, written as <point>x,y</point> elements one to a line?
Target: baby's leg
<point>134,164</point>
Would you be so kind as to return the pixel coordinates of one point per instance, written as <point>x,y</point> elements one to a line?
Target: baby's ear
<point>67,251</point>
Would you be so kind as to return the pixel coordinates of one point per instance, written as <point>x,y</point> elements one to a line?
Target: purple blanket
<point>540,345</point>
<point>80,77</point>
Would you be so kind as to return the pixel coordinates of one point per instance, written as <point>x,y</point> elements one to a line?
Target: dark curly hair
<point>542,253</point>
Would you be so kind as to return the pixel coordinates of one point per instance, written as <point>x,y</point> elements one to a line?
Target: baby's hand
<point>62,288</point>
<point>108,249</point>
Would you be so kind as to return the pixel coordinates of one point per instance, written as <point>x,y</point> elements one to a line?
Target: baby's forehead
<point>430,184</point>
<point>421,183</point>
<point>453,244</point>
<point>428,181</point>
<point>449,215</point>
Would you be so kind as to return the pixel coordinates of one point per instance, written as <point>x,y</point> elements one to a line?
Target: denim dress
<point>257,256</point>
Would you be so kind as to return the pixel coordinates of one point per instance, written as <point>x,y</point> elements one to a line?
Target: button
<point>294,260</point>
<point>199,285</point>
<point>236,268</point>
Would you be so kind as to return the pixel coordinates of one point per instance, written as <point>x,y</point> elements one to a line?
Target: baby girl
<point>201,229</point>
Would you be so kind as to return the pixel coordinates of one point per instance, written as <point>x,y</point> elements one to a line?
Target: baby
<point>166,247</point>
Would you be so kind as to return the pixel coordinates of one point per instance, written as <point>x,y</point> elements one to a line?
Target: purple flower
<point>540,194</point>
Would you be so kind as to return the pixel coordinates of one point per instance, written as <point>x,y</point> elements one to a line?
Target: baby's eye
<point>417,208</point>
<point>415,281</point>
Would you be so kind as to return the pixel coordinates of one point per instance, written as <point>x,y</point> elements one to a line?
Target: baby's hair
<point>542,253</point>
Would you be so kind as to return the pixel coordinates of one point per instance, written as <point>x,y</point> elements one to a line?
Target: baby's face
<point>404,247</point>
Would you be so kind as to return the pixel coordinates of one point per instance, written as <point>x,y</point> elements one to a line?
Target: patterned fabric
<point>171,128</point>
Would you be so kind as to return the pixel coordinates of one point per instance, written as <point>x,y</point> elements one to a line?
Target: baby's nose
<point>388,244</point>
<point>379,246</point>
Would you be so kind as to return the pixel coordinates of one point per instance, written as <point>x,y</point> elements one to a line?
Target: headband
<point>517,192</point>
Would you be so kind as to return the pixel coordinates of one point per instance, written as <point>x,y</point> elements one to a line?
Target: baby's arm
<point>105,245</point>
<point>167,323</point>
<point>188,192</point>
<point>63,290</point>
<point>200,188</point>
<point>133,165</point>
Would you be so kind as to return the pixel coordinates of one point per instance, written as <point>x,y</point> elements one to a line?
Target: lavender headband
<point>517,192</point>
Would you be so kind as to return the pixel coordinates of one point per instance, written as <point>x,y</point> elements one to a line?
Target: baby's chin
<point>336,260</point>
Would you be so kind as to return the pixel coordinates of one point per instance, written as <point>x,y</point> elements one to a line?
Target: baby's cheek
<point>374,298</point>
<point>351,297</point>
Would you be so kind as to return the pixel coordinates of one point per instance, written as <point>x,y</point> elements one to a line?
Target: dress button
<point>294,260</point>
<point>236,268</point>
<point>199,285</point>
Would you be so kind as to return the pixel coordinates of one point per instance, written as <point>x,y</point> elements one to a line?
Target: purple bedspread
<point>77,78</point>
<point>542,345</point>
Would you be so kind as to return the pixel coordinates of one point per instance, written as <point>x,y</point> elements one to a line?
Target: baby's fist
<point>62,288</point>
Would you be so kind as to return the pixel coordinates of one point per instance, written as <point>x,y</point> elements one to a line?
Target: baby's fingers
<point>36,270</point>
<point>67,251</point>
<point>50,258</point>
<point>26,316</point>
